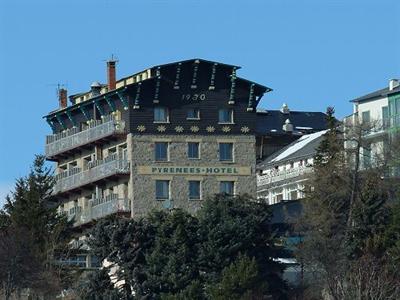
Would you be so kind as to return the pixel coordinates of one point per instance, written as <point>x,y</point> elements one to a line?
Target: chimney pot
<point>285,109</point>
<point>62,98</point>
<point>288,127</point>
<point>393,83</point>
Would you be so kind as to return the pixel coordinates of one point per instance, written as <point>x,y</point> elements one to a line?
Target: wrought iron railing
<point>102,207</point>
<point>276,176</point>
<point>76,177</point>
<point>73,138</point>
<point>75,210</point>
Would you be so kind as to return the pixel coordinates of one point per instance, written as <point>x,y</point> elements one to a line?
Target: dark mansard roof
<point>259,89</point>
<point>270,122</point>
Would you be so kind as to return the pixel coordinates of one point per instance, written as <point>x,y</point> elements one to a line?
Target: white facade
<point>372,114</point>
<point>283,176</point>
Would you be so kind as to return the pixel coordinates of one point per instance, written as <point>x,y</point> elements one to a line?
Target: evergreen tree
<point>240,280</point>
<point>231,226</point>
<point>124,244</point>
<point>326,207</point>
<point>391,236</point>
<point>370,216</point>
<point>345,213</point>
<point>173,255</point>
<point>171,263</point>
<point>99,287</point>
<point>45,232</point>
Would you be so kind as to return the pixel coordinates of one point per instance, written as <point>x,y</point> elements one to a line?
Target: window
<point>225,115</point>
<point>87,159</point>
<point>226,151</point>
<point>385,117</point>
<point>193,150</point>
<point>162,189</point>
<point>78,261</point>
<point>112,151</point>
<point>161,151</point>
<point>160,114</point>
<point>394,112</point>
<point>95,262</point>
<point>278,198</point>
<point>226,187</point>
<point>193,114</point>
<point>396,106</point>
<point>367,157</point>
<point>194,190</point>
<point>365,116</point>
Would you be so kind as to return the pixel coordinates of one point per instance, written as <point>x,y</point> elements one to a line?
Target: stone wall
<point>142,184</point>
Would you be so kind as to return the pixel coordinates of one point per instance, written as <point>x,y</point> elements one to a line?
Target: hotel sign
<point>190,170</point>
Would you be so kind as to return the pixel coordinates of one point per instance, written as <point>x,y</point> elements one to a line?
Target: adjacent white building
<point>282,175</point>
<point>377,113</point>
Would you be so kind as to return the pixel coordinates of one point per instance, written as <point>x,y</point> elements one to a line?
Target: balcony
<point>75,178</point>
<point>377,128</point>
<point>58,144</point>
<point>278,176</point>
<point>369,130</point>
<point>100,208</point>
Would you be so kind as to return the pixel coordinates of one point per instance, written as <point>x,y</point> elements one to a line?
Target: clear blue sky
<point>313,53</point>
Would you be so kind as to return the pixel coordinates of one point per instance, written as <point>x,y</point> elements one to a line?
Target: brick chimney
<point>62,97</point>
<point>111,81</point>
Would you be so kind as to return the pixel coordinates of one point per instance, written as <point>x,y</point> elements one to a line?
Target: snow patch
<point>300,143</point>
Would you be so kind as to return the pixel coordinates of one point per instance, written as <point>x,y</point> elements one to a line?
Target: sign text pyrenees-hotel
<point>188,170</point>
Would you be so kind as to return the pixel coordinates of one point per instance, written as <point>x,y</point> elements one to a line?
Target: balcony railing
<point>377,128</point>
<point>100,208</point>
<point>73,138</point>
<point>76,177</point>
<point>371,129</point>
<point>282,175</point>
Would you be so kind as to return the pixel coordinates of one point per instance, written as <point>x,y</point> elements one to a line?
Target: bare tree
<point>345,214</point>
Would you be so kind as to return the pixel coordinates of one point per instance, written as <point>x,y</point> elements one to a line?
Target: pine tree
<point>240,280</point>
<point>173,255</point>
<point>370,216</point>
<point>326,209</point>
<point>171,263</point>
<point>99,287</point>
<point>345,214</point>
<point>45,232</point>
<point>234,226</point>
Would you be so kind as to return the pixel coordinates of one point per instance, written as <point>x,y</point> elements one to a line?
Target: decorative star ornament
<point>194,128</point>
<point>210,128</point>
<point>141,128</point>
<point>179,129</point>
<point>161,128</point>
<point>226,129</point>
<point>245,129</point>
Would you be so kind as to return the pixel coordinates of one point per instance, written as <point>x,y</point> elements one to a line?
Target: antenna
<point>113,58</point>
<point>58,86</point>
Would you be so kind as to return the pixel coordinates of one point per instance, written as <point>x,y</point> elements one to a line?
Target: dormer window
<point>193,114</point>
<point>225,115</point>
<point>161,115</point>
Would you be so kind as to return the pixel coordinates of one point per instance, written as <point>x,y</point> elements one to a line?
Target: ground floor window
<point>226,187</point>
<point>162,189</point>
<point>194,190</point>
